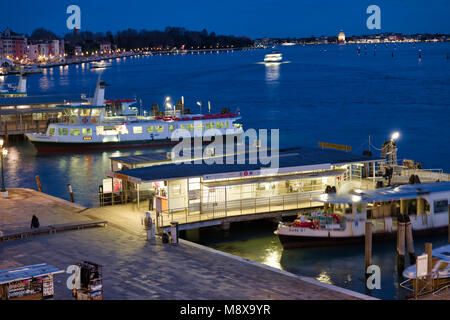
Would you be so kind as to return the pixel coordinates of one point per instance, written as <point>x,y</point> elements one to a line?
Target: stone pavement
<point>137,269</point>
<point>16,211</point>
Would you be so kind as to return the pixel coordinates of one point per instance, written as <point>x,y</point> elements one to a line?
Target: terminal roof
<point>44,99</point>
<point>290,160</point>
<point>404,192</point>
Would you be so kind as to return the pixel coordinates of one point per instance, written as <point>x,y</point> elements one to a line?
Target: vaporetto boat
<point>273,57</point>
<point>96,126</point>
<point>344,216</point>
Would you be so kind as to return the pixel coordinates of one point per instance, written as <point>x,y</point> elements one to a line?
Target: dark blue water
<point>324,93</point>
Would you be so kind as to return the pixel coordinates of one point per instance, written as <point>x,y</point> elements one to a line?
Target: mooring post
<point>368,246</point>
<point>38,182</point>
<point>410,242</point>
<point>71,192</point>
<point>401,244</point>
<point>429,252</point>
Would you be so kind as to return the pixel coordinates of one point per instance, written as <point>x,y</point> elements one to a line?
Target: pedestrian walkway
<point>134,268</point>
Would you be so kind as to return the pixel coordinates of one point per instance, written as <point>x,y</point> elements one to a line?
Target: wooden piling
<point>401,246</point>
<point>38,182</point>
<point>71,193</point>
<point>410,243</point>
<point>429,252</point>
<point>368,245</point>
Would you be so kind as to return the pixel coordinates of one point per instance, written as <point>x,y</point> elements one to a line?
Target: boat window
<point>96,112</point>
<point>210,126</point>
<point>87,132</point>
<point>219,125</point>
<point>237,125</point>
<point>170,128</point>
<point>190,127</point>
<point>182,126</point>
<point>149,129</point>
<point>441,206</point>
<point>159,128</point>
<point>85,112</point>
<point>75,132</point>
<point>200,126</point>
<point>62,132</point>
<point>51,131</point>
<point>137,130</point>
<point>226,124</point>
<point>99,130</point>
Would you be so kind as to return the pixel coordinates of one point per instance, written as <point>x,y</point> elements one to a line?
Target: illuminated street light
<point>395,136</point>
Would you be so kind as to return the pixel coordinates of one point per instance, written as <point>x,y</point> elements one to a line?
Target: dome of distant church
<point>341,36</point>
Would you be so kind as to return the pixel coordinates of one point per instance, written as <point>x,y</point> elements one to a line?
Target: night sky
<point>253,18</point>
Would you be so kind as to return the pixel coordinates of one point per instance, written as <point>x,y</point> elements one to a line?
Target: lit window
<point>63,132</point>
<point>150,129</point>
<point>226,124</point>
<point>99,130</point>
<point>200,126</point>
<point>210,126</point>
<point>190,127</point>
<point>87,132</point>
<point>170,128</point>
<point>51,131</point>
<point>75,132</point>
<point>137,130</point>
<point>159,128</point>
<point>219,125</point>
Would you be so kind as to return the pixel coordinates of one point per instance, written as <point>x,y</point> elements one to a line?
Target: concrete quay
<point>134,268</point>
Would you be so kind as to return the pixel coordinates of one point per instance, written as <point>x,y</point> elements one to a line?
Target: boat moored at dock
<point>344,215</point>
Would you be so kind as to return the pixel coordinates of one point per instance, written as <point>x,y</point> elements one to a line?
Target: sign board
<point>422,265</point>
<point>107,185</point>
<point>335,146</point>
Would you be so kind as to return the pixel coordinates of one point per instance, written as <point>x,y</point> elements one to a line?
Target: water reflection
<point>272,257</point>
<point>272,72</point>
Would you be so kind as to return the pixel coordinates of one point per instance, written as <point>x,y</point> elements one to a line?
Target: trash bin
<point>174,232</point>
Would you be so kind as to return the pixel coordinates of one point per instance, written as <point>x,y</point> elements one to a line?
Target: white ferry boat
<point>273,57</point>
<point>100,64</point>
<point>100,126</point>
<point>343,220</point>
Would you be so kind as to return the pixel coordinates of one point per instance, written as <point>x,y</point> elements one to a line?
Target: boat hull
<point>49,146</point>
<point>298,241</point>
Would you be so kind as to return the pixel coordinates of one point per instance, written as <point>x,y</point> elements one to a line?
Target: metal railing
<point>214,210</point>
<point>120,197</point>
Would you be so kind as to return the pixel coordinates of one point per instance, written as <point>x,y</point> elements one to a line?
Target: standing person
<point>34,222</point>
<point>151,200</point>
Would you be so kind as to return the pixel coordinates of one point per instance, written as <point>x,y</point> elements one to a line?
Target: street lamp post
<point>3,154</point>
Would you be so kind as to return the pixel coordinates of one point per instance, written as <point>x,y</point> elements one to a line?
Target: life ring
<point>85,120</point>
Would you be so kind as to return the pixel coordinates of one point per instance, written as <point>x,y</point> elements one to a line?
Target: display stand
<point>33,282</point>
<point>90,282</point>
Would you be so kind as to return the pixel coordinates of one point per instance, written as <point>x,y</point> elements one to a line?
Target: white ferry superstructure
<point>95,126</point>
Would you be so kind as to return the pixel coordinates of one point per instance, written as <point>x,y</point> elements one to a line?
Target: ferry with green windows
<point>100,125</point>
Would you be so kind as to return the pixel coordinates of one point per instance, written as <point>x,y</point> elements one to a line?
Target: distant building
<point>41,50</point>
<point>78,51</point>
<point>105,47</point>
<point>12,45</point>
<point>341,37</point>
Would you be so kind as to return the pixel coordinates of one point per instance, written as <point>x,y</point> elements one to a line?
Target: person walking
<point>34,222</point>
